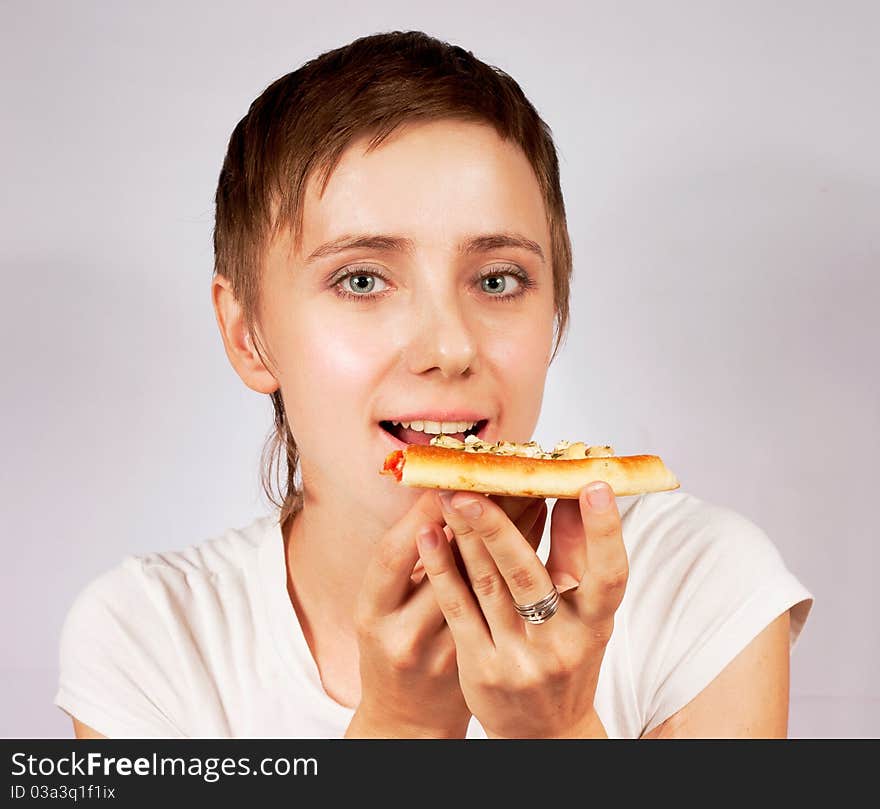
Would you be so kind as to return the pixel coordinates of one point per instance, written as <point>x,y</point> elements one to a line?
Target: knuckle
<point>453,608</point>
<point>607,529</point>
<point>614,581</point>
<point>525,675</point>
<point>558,675</point>
<point>403,656</point>
<point>363,620</point>
<point>464,531</point>
<point>486,584</point>
<point>492,532</point>
<point>522,577</point>
<point>490,677</point>
<point>568,661</point>
<point>386,558</point>
<point>529,681</point>
<point>566,667</point>
<point>446,661</point>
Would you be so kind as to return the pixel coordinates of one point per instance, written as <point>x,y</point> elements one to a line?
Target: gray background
<point>721,173</point>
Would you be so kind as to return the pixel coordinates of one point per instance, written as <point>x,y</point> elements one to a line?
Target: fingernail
<point>469,508</point>
<point>599,496</point>
<point>427,538</point>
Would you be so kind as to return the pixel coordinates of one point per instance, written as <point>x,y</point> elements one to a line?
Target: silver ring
<point>539,611</point>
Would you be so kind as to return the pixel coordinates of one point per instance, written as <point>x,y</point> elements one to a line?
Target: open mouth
<point>410,436</point>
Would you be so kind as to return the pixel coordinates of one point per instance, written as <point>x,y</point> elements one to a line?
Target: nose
<point>443,335</point>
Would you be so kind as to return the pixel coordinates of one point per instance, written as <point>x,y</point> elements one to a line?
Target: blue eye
<point>499,285</point>
<point>364,282</point>
<point>357,278</point>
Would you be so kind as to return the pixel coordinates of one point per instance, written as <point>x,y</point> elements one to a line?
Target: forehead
<point>431,182</point>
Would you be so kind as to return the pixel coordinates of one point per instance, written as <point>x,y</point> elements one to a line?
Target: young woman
<point>391,247</point>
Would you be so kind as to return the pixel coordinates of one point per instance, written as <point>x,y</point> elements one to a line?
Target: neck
<point>326,559</point>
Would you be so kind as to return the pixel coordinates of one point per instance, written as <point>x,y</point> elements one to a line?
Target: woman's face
<point>413,329</point>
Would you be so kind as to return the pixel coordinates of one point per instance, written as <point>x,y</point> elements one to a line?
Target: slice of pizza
<point>524,470</point>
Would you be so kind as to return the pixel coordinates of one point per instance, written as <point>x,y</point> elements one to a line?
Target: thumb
<point>567,561</point>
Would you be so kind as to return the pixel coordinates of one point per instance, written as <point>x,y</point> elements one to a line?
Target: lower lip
<point>396,443</point>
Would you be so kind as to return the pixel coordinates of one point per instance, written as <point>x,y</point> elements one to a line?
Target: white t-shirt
<point>204,642</point>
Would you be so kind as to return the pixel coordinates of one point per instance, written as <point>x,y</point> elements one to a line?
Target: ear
<point>237,340</point>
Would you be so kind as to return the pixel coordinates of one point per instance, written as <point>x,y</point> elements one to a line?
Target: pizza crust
<point>431,467</point>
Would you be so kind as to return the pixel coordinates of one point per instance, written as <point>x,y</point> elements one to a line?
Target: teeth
<point>437,427</point>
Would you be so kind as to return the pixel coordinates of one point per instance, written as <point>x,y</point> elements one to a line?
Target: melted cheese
<point>564,450</point>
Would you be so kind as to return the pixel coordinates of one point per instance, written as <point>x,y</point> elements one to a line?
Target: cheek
<point>522,349</point>
<point>330,374</point>
<point>520,360</point>
<point>343,357</point>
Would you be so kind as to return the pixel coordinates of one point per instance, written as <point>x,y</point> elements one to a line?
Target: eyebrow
<point>474,244</point>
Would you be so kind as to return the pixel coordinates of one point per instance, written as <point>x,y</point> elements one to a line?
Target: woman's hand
<point>409,677</point>
<point>520,679</point>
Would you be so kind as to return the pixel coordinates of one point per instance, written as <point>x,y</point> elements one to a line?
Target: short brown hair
<point>304,121</point>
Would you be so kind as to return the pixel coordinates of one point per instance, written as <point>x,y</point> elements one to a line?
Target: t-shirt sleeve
<point>112,654</point>
<point>707,581</point>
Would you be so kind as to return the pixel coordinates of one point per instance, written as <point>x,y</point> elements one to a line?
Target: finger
<point>454,597</point>
<point>519,565</point>
<point>418,573</point>
<point>607,569</point>
<point>521,511</point>
<point>567,561</point>
<point>423,609</point>
<point>486,582</point>
<point>422,606</point>
<point>387,580</point>
<point>513,507</point>
<point>525,525</point>
<point>525,522</point>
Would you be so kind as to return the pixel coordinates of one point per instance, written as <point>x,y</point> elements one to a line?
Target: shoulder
<point>133,627</point>
<point>219,558</point>
<point>704,582</point>
<point>685,551</point>
<point>140,584</point>
<point>682,523</point>
<point>676,540</point>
